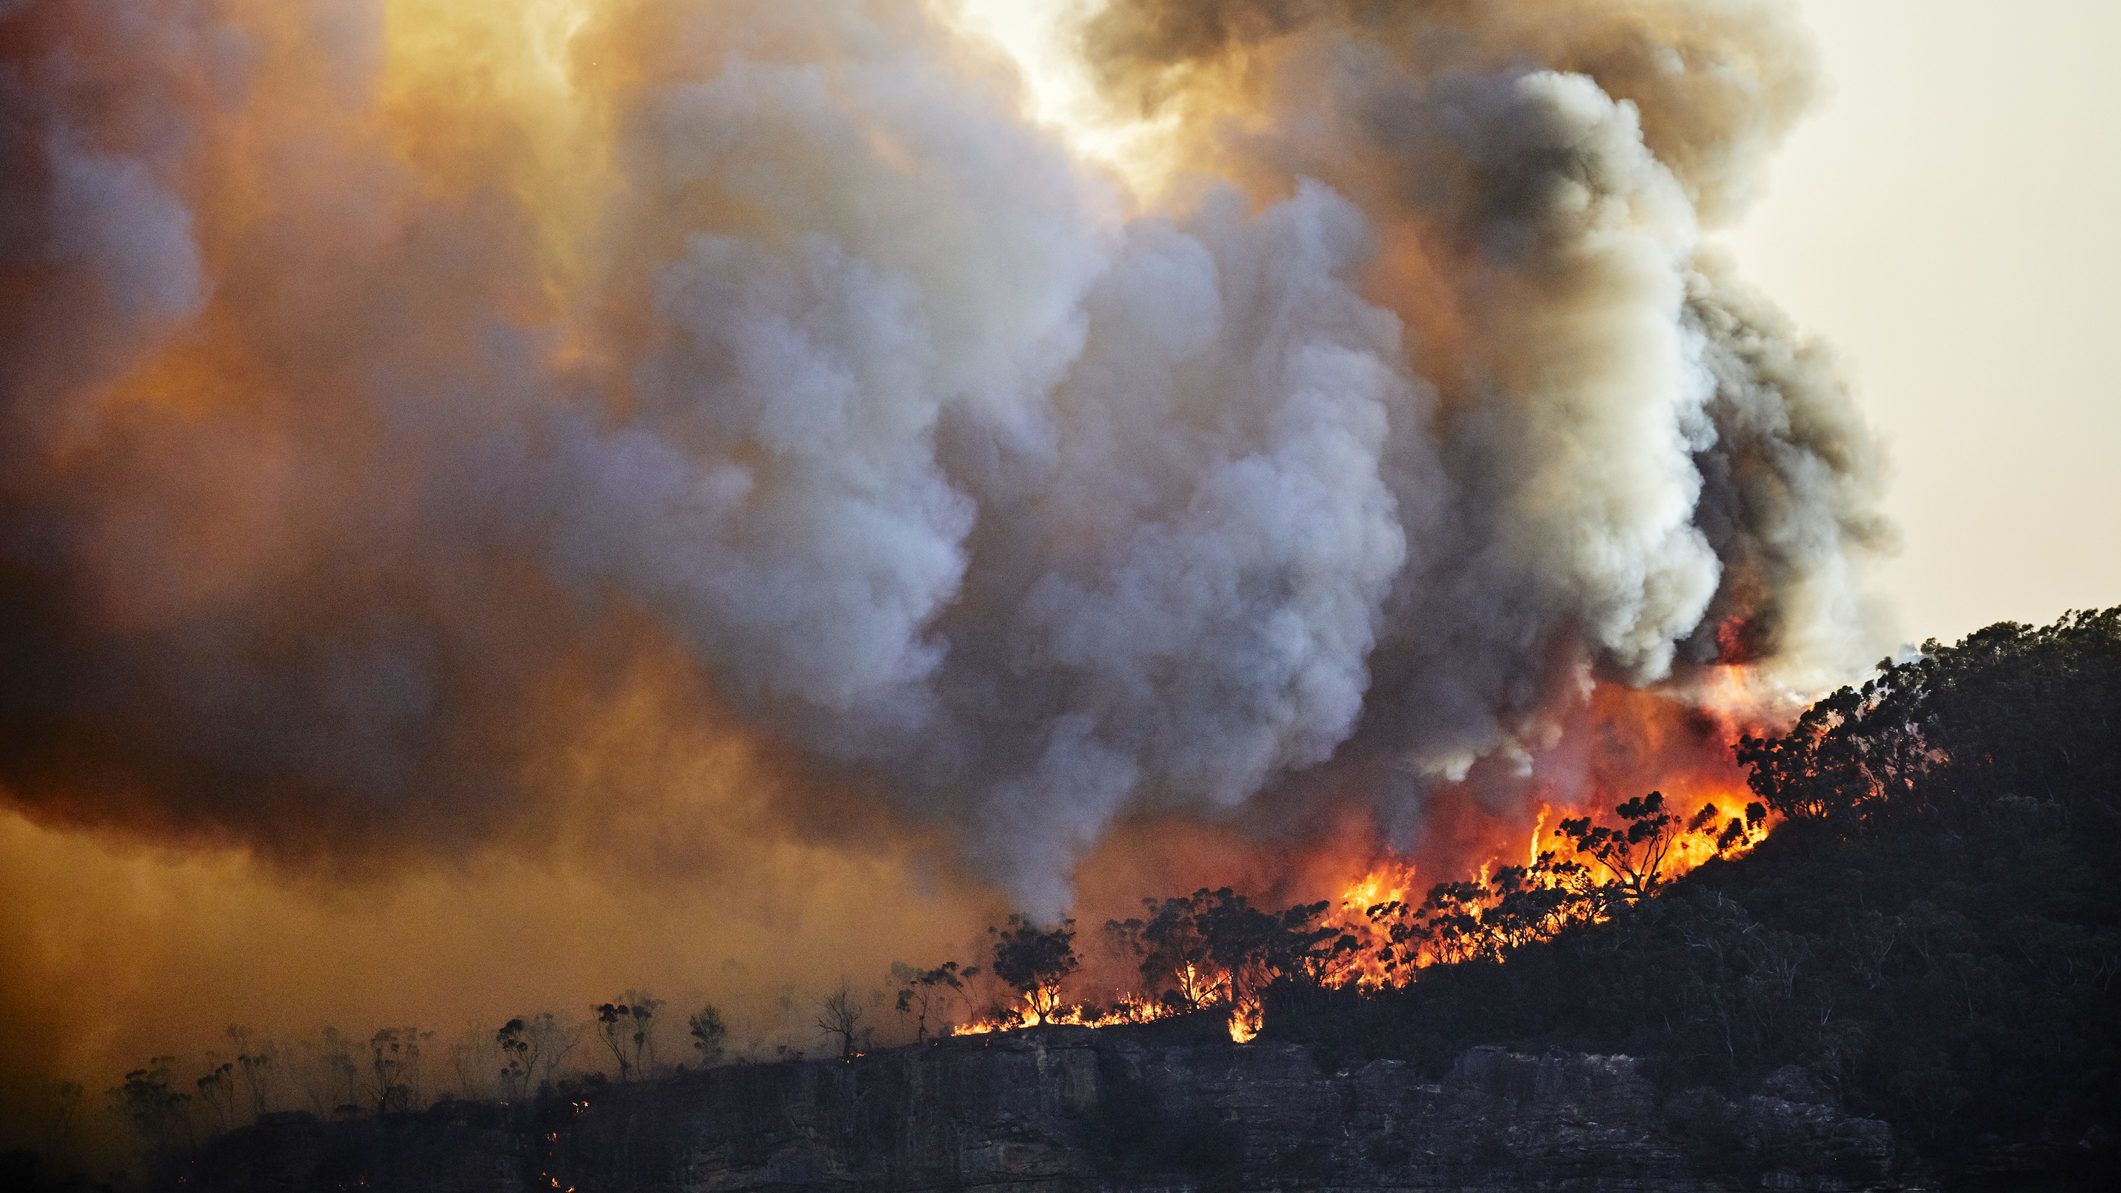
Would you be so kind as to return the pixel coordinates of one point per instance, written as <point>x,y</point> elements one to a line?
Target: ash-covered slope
<point>1075,1109</point>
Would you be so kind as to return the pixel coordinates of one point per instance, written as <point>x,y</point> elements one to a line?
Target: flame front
<point>1679,747</point>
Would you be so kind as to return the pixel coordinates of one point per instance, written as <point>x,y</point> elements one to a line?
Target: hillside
<point>1911,983</point>
<point>1933,938</point>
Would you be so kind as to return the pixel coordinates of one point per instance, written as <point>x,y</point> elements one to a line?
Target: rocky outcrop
<point>1071,1109</point>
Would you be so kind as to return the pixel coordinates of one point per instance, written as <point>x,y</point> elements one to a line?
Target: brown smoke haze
<point>502,501</point>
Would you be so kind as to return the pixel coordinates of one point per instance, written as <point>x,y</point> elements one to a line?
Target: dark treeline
<point>1931,936</point>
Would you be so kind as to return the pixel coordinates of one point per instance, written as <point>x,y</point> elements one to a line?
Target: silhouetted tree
<point>708,1033</point>
<point>394,1068</point>
<point>1254,948</point>
<point>625,1027</point>
<point>839,1016</point>
<point>1534,902</point>
<point>1034,961</point>
<point>519,1057</point>
<point>217,1092</point>
<point>1170,945</point>
<point>1633,854</point>
<point>921,992</point>
<point>155,1111</point>
<point>257,1063</point>
<point>551,1040</point>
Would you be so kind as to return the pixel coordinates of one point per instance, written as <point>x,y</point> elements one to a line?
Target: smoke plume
<point>414,412</point>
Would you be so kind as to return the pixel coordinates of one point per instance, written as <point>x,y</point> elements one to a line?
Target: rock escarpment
<point>1071,1109</point>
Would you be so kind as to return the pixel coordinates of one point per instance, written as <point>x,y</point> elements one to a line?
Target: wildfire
<point>1364,965</point>
<point>1655,795</point>
<point>1129,1008</point>
<point>1247,1017</point>
<point>1368,923</point>
<point>1385,884</point>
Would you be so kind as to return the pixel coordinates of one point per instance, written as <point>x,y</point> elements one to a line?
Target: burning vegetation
<point>1217,952</point>
<point>1938,870</point>
<point>1214,952</point>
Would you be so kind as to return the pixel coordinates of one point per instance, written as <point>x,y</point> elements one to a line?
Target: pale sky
<point>1947,219</point>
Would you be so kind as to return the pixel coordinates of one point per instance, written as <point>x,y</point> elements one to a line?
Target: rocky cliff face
<point>1071,1109</point>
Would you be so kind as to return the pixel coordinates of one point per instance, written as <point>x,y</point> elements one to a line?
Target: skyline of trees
<point>2005,743</point>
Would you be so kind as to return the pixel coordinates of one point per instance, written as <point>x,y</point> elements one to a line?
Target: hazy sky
<point>1947,219</point>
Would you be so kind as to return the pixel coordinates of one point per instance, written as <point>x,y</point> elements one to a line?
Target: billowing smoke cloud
<point>1790,485</point>
<point>1646,472</point>
<point>385,384</point>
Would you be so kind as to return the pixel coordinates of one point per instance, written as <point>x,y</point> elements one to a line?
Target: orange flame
<point>1130,1008</point>
<point>1628,743</point>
